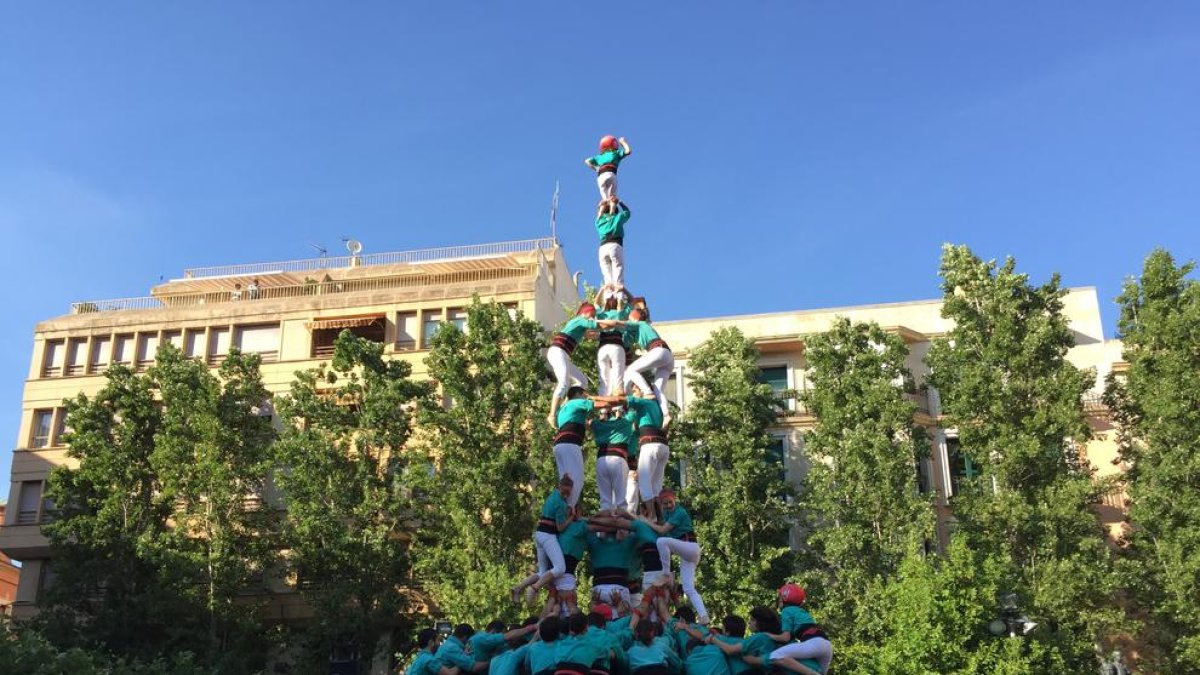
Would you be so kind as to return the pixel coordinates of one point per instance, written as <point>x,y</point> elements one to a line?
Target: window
<point>123,350</point>
<point>101,353</point>
<point>173,338</point>
<point>430,320</point>
<point>60,426</point>
<point>193,343</point>
<point>43,427</point>
<point>52,362</point>
<point>511,308</point>
<point>671,389</point>
<point>406,330</point>
<point>962,469</point>
<point>46,579</point>
<point>924,474</point>
<point>262,339</point>
<point>218,345</point>
<point>29,511</point>
<point>77,356</point>
<point>777,377</point>
<point>147,349</point>
<point>776,454</point>
<point>326,331</point>
<point>458,317</point>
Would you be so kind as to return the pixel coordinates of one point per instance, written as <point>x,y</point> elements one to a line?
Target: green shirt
<point>613,157</point>
<point>646,412</point>
<point>641,333</point>
<point>605,642</point>
<point>573,540</point>
<point>612,431</point>
<point>793,617</point>
<point>654,654</point>
<point>575,410</point>
<point>484,646</point>
<point>619,628</point>
<point>554,508</point>
<point>508,663</point>
<point>424,664</point>
<point>643,533</point>
<point>578,326</point>
<point>454,653</point>
<point>576,649</point>
<point>608,552</point>
<point>612,225</point>
<point>542,656</point>
<point>706,660</point>
<point>735,663</point>
<point>680,521</point>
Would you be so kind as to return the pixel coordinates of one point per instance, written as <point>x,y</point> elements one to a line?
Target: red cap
<point>792,594</point>
<point>603,610</point>
<point>608,143</point>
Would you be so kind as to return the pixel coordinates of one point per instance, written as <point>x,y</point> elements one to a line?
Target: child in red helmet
<point>612,151</point>
<point>808,647</point>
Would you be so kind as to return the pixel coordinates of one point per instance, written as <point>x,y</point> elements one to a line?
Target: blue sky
<point>788,155</point>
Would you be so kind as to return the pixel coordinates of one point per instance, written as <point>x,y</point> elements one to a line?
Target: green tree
<point>347,489</point>
<point>1157,409</point>
<point>153,539</point>
<point>491,447</point>
<point>860,495</point>
<point>737,494</point>
<point>1016,402</point>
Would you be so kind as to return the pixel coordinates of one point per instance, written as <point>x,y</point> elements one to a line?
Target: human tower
<point>637,623</point>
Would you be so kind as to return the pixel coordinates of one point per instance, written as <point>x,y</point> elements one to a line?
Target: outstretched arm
<point>519,632</point>
<point>625,146</point>
<point>785,636</point>
<point>661,528</point>
<point>591,164</point>
<point>727,648</point>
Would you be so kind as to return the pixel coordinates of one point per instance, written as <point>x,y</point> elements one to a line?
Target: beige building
<point>288,312</point>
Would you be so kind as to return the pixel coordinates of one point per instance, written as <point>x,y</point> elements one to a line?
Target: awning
<point>344,322</point>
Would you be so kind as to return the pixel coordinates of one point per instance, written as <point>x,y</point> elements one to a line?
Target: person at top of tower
<point>572,427</point>
<point>611,217</point>
<point>656,357</point>
<point>612,151</point>
<point>562,344</point>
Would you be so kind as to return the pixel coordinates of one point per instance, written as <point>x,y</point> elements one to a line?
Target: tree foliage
<point>153,537</point>
<point>737,495</point>
<point>1157,409</point>
<point>491,446</point>
<point>1016,402</point>
<point>863,511</point>
<point>347,490</point>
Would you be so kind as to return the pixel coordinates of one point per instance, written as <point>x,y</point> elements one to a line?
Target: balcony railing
<point>314,288</point>
<point>336,262</point>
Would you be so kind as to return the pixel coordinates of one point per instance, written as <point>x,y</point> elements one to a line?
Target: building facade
<point>289,313</point>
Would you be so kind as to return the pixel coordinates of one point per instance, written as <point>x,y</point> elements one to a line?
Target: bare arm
<point>519,632</point>
<point>661,529</point>
<point>683,626</point>
<point>729,649</point>
<point>625,146</point>
<point>785,636</point>
<point>590,163</point>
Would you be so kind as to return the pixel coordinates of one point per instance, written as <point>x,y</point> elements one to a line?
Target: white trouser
<point>607,182</point>
<point>549,554</point>
<point>611,360</point>
<point>612,473</point>
<point>689,558</point>
<point>612,263</point>
<point>652,467</point>
<point>661,361</point>
<point>648,578</point>
<point>565,582</point>
<point>631,492</point>
<point>565,371</point>
<point>568,458</point>
<point>813,648</point>
<point>606,593</point>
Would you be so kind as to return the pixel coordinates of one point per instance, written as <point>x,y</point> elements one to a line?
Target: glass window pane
<point>101,353</point>
<point>429,325</point>
<point>406,330</point>
<point>123,349</point>
<point>43,422</point>
<point>31,502</point>
<point>262,339</point>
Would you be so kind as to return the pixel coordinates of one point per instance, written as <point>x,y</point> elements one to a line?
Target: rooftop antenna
<point>554,214</point>
<point>320,249</point>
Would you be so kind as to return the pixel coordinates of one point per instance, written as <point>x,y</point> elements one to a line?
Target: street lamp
<point>1010,620</point>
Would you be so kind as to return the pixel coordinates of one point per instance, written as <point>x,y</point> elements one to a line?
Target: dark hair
<point>686,613</point>
<point>766,618</point>
<point>735,626</point>
<point>550,629</point>
<point>425,637</point>
<point>463,631</point>
<point>576,392</point>
<point>596,619</point>
<point>646,632</point>
<point>577,623</point>
<point>496,626</point>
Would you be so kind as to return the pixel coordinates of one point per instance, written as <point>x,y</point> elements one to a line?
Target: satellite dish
<point>354,246</point>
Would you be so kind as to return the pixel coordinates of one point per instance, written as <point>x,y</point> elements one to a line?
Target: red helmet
<point>586,309</point>
<point>608,143</point>
<point>604,610</point>
<point>792,594</point>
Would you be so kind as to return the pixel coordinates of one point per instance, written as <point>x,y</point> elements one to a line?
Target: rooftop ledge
<point>335,274</point>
